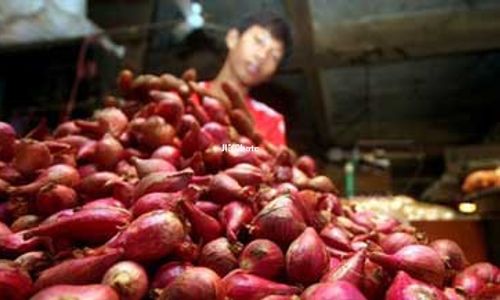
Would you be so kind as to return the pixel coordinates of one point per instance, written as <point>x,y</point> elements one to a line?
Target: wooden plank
<point>300,15</point>
<point>398,36</point>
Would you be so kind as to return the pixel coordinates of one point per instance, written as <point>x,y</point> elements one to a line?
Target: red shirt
<point>268,122</point>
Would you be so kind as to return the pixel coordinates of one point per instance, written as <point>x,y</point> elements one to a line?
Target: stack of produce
<point>480,180</point>
<point>141,202</point>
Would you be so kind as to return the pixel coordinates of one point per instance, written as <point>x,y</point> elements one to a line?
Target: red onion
<point>93,291</point>
<point>10,174</point>
<point>31,155</point>
<point>395,241</point>
<point>4,186</point>
<point>281,297</point>
<point>8,137</point>
<point>33,262</point>
<point>128,279</point>
<point>339,290</point>
<point>279,221</point>
<point>349,225</point>
<point>204,226</point>
<point>351,270</point>
<point>306,259</point>
<point>66,128</point>
<point>322,184</point>
<point>195,140</point>
<point>113,119</point>
<point>224,189</point>
<point>405,287</point>
<point>108,152</point>
<point>104,202</point>
<point>217,132</point>
<point>187,122</point>
<point>14,282</point>
<point>55,197</point>
<point>14,244</point>
<point>87,170</point>
<point>61,174</point>
<point>307,165</point>
<point>451,254</point>
<point>484,270</point>
<point>149,237</point>
<point>93,225</point>
<point>234,157</point>
<point>4,229</point>
<point>169,106</point>
<point>126,170</point>
<point>220,256</point>
<point>262,258</point>
<point>83,270</point>
<point>419,261</point>
<point>152,132</point>
<point>163,182</point>
<point>246,174</point>
<point>299,178</point>
<point>210,208</point>
<point>452,294</point>
<point>375,280</point>
<point>242,286</point>
<point>194,284</point>
<point>362,218</point>
<point>147,166</point>
<point>154,201</point>
<point>233,217</point>
<point>334,236</point>
<point>168,273</point>
<point>168,153</point>
<point>25,222</point>
<point>215,110</point>
<point>213,158</point>
<point>469,283</point>
<point>196,163</point>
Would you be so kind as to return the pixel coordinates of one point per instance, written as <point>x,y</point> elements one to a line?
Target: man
<point>256,49</point>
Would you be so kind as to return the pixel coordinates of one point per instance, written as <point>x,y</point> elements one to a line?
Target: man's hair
<point>277,26</point>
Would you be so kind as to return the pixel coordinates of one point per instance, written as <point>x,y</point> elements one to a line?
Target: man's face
<point>254,55</point>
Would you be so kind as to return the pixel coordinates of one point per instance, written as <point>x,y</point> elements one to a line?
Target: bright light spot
<point>467,207</point>
<point>196,8</point>
<point>195,21</point>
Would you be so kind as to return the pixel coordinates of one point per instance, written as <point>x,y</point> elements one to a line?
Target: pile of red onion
<point>142,201</point>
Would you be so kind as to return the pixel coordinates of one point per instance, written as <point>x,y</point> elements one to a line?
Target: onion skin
<point>25,222</point>
<point>204,226</point>
<point>155,201</point>
<point>351,270</point>
<point>31,155</point>
<point>452,255</point>
<point>4,229</point>
<point>217,132</point>
<point>246,174</point>
<point>322,183</point>
<point>405,287</point>
<point>233,217</point>
<point>224,189</point>
<point>168,273</point>
<point>93,291</point>
<point>220,256</point>
<point>334,236</point>
<point>242,286</point>
<point>306,259</point>
<point>208,207</point>
<point>279,221</point>
<point>61,174</point>
<point>55,197</point>
<point>194,284</point>
<point>262,258</point>
<point>307,165</point>
<point>15,244</point>
<point>421,262</point>
<point>147,166</point>
<point>109,202</point>
<point>163,182</point>
<point>84,270</point>
<point>34,261</point>
<point>281,297</point>
<point>395,241</point>
<point>149,237</point>
<point>128,279</point>
<point>91,225</point>
<point>15,284</point>
<point>339,290</point>
<point>452,294</point>
<point>168,153</point>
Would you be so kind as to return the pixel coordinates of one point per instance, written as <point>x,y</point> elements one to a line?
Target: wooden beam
<point>403,35</point>
<point>300,15</point>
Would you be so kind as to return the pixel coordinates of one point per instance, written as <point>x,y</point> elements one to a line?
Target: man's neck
<point>226,75</point>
